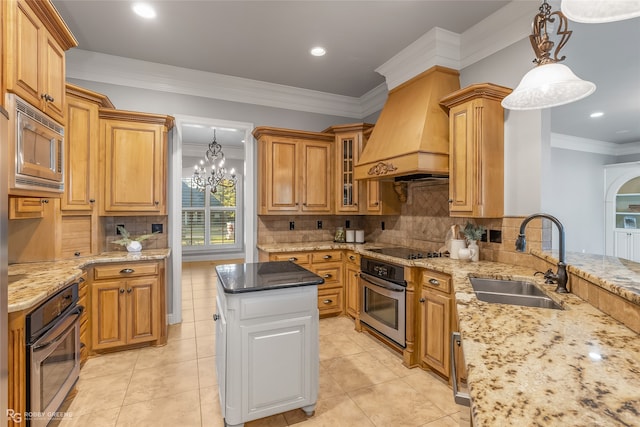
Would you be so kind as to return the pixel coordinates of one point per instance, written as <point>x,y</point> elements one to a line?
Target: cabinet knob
<point>156,203</point>
<point>216,316</point>
<point>47,97</point>
<point>92,200</point>
<point>450,200</point>
<point>127,271</point>
<point>422,300</point>
<point>434,282</point>
<point>352,258</point>
<point>129,290</point>
<point>327,276</point>
<point>293,259</point>
<point>327,301</point>
<point>44,200</point>
<point>327,257</point>
<point>376,203</point>
<point>304,204</point>
<point>76,253</point>
<point>122,291</point>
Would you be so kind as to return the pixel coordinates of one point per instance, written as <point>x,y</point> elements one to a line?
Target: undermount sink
<point>514,292</point>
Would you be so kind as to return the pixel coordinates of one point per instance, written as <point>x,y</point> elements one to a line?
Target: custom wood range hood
<point>411,137</point>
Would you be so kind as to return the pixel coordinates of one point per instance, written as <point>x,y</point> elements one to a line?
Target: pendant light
<point>549,84</point>
<point>599,11</point>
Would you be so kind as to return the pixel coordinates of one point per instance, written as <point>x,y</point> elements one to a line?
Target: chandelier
<point>217,175</point>
<point>549,84</point>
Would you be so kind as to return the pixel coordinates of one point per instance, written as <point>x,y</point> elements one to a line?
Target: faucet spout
<point>560,277</point>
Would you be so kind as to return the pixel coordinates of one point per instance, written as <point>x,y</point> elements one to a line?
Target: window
<point>210,220</point>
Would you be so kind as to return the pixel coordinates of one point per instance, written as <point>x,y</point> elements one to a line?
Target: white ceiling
<point>270,40</point>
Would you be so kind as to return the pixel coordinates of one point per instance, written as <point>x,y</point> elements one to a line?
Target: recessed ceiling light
<point>622,131</point>
<point>596,114</point>
<point>144,9</point>
<point>318,51</point>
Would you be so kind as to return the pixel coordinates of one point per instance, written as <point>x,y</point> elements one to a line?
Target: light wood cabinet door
<point>108,315</point>
<point>476,151</point>
<point>435,320</point>
<point>348,147</point>
<point>81,155</point>
<point>26,207</point>
<point>142,310</point>
<point>316,177</point>
<point>133,168</point>
<point>37,41</point>
<point>352,290</point>
<point>282,175</point>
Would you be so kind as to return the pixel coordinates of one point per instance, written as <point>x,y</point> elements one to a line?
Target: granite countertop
<point>264,276</point>
<point>32,283</point>
<point>536,366</point>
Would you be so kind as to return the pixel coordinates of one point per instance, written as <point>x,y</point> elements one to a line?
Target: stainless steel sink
<point>514,292</point>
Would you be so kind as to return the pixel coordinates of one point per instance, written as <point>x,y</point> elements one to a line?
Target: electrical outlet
<point>118,230</point>
<point>292,225</point>
<point>347,224</point>
<point>156,228</point>
<point>382,225</point>
<point>484,237</point>
<point>319,225</point>
<point>495,236</point>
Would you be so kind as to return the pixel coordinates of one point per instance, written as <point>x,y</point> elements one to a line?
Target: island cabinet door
<point>292,381</point>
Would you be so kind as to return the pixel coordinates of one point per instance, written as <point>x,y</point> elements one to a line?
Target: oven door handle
<point>381,283</point>
<point>69,320</point>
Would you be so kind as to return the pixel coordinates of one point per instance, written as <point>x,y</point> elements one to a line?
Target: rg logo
<point>16,417</point>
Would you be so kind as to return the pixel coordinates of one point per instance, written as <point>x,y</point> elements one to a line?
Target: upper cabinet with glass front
<point>37,39</point>
<point>628,205</point>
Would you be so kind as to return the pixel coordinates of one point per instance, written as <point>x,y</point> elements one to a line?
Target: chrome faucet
<point>560,276</point>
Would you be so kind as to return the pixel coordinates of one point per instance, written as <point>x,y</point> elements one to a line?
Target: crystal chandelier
<point>217,175</point>
<point>549,84</point>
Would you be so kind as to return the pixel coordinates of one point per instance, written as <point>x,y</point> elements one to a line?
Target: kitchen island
<point>536,366</point>
<point>267,359</point>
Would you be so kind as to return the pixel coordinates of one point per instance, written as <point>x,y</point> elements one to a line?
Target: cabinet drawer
<point>352,258</point>
<point>435,280</point>
<point>329,301</point>
<point>116,271</point>
<point>297,257</point>
<point>332,275</point>
<point>320,257</point>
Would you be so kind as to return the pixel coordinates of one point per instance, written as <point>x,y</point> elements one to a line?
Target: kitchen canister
<point>351,236</point>
<point>456,245</point>
<point>359,236</point>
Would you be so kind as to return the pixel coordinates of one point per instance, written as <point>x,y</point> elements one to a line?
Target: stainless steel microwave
<point>39,150</point>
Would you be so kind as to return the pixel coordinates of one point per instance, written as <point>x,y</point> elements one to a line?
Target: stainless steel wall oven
<point>383,298</point>
<point>53,354</point>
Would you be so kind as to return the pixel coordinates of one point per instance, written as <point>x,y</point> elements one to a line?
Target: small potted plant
<point>473,233</point>
<point>131,243</point>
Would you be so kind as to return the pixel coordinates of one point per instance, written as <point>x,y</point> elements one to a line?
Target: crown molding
<point>587,145</point>
<point>436,47</point>
<point>103,68</point>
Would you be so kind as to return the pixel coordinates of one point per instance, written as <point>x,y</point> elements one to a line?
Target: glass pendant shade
<point>548,85</point>
<point>599,11</point>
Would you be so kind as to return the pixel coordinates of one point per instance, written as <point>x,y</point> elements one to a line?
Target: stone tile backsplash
<point>136,225</point>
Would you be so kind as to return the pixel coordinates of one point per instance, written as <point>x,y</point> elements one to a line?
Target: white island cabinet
<point>266,340</point>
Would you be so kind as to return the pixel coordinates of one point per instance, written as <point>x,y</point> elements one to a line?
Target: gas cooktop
<point>406,253</point>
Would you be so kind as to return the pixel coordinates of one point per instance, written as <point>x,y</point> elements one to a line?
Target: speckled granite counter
<point>31,283</point>
<point>542,367</point>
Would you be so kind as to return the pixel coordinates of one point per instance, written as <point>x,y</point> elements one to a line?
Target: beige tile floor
<point>362,383</point>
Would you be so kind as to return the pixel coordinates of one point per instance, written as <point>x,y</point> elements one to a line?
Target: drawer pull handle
<point>327,257</point>
<point>127,271</point>
<point>293,259</point>
<point>327,301</point>
<point>352,258</point>
<point>327,276</point>
<point>434,282</point>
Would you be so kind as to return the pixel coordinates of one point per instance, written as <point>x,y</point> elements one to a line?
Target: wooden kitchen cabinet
<point>127,303</point>
<point>351,284</point>
<point>85,335</point>
<point>37,39</point>
<point>294,171</point>
<point>435,321</point>
<point>476,151</point>
<point>27,207</point>
<point>133,162</point>
<point>327,264</point>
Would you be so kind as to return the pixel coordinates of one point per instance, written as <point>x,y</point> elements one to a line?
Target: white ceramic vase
<point>134,246</point>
